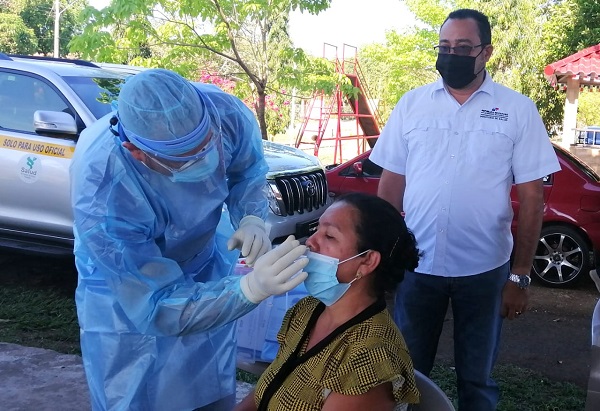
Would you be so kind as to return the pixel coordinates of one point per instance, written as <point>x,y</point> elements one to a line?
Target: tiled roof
<point>584,64</point>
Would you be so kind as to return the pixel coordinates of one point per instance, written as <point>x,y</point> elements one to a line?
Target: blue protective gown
<point>155,299</point>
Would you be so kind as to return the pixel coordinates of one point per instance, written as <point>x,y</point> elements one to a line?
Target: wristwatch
<point>522,281</point>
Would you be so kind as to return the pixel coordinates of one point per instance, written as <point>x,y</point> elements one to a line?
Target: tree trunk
<point>260,113</point>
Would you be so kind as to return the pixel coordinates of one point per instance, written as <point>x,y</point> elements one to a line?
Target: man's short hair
<point>483,24</point>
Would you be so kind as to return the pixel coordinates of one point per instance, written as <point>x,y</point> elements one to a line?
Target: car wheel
<point>562,257</point>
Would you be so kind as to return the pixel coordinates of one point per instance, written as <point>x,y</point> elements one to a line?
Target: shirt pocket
<point>422,135</point>
<point>488,149</point>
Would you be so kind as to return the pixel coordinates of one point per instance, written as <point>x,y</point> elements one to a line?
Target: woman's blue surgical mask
<point>322,282</point>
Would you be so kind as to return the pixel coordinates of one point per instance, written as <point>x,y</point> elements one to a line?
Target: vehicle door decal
<point>37,147</point>
<point>30,166</point>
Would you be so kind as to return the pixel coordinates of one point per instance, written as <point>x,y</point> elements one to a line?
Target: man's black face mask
<point>457,71</point>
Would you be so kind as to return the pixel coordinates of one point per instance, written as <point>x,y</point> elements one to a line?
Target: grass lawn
<point>46,318</point>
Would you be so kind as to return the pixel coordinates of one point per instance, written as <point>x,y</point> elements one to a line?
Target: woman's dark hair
<point>381,227</point>
<point>483,23</point>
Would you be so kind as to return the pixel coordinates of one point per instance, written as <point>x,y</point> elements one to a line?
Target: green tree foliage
<point>526,35</point>
<point>240,39</point>
<point>277,116</point>
<point>39,15</point>
<point>572,26</point>
<point>406,61</point>
<point>520,53</point>
<point>15,36</point>
<point>587,109</point>
<point>433,13</point>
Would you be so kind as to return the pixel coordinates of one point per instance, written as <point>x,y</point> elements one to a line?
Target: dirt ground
<point>553,338</point>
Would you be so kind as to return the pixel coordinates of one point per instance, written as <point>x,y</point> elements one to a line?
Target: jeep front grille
<point>302,192</point>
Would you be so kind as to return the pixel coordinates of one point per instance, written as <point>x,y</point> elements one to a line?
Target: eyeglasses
<point>458,50</point>
<point>176,169</point>
<point>178,166</point>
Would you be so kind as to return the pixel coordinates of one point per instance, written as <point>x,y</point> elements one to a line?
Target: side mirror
<point>54,122</point>
<point>357,168</point>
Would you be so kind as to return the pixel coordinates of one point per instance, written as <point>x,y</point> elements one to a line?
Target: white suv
<point>46,102</point>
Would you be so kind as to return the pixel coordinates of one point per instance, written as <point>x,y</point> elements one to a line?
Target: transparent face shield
<point>177,164</point>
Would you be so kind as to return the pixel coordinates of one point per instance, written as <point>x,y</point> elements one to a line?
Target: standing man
<point>156,300</point>
<point>450,152</point>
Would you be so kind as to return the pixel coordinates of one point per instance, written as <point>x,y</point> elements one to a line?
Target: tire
<point>562,257</point>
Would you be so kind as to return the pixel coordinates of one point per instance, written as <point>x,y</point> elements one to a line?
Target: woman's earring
<point>358,275</point>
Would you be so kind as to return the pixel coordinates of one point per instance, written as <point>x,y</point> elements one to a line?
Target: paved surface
<point>45,380</point>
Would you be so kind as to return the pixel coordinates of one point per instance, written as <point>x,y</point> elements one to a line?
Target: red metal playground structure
<point>358,122</point>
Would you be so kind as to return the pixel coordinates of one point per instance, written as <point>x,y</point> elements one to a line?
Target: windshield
<point>97,93</point>
<point>578,162</point>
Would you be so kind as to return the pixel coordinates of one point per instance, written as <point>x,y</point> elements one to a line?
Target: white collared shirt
<point>459,162</point>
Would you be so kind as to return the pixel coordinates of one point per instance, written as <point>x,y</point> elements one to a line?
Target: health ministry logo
<point>29,168</point>
<point>31,162</point>
<point>494,114</point>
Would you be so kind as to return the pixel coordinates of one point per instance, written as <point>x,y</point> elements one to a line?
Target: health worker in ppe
<point>156,298</point>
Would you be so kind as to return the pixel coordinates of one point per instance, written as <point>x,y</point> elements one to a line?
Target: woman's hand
<point>247,404</point>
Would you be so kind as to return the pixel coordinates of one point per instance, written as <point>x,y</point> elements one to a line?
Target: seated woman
<point>339,348</point>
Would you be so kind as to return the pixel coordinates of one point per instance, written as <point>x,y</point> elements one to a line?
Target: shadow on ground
<point>553,338</point>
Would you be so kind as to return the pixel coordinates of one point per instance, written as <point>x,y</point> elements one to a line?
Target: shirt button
<point>444,209</point>
<point>456,133</point>
<point>441,230</point>
<point>451,155</point>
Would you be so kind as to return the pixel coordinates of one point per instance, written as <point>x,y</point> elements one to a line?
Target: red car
<point>569,243</point>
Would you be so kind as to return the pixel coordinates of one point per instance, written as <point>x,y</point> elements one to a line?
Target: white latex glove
<point>273,272</point>
<point>251,238</point>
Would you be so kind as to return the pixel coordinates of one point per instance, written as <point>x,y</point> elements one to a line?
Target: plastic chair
<point>592,402</point>
<point>596,325</point>
<point>432,396</point>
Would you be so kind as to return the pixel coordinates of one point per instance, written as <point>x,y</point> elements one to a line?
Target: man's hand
<point>273,272</point>
<point>251,238</point>
<point>514,300</point>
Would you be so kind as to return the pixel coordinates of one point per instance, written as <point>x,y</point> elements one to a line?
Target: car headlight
<point>274,198</point>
